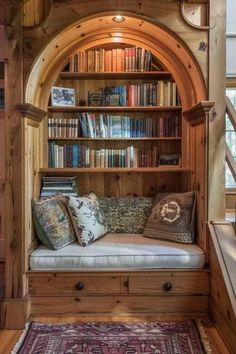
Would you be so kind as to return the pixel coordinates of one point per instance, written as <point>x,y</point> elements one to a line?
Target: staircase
<point>230,213</point>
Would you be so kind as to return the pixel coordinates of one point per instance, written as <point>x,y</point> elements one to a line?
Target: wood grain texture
<point>216,142</point>
<point>15,284</point>
<point>15,313</point>
<point>119,305</point>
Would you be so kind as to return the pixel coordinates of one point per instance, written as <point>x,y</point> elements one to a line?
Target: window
<point>230,39</point>
<point>230,139</point>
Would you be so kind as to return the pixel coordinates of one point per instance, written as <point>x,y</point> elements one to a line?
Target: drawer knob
<point>167,286</point>
<point>79,286</point>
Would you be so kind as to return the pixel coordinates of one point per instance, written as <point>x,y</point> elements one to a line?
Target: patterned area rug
<point>179,337</point>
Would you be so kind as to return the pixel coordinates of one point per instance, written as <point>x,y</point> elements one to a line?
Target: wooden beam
<point>36,11</point>
<point>30,111</point>
<point>216,87</point>
<point>197,114</point>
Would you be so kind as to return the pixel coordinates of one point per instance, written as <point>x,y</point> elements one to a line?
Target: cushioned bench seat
<point>117,252</point>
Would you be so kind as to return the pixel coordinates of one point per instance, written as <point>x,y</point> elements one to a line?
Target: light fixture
<point>118,18</point>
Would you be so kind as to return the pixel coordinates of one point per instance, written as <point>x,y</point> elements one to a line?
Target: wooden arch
<point>95,31</point>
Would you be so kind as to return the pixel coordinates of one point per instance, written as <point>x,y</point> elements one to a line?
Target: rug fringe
<point>204,337</point>
<point>21,339</point>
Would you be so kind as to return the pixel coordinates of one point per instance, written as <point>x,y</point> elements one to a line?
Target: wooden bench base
<point>119,293</point>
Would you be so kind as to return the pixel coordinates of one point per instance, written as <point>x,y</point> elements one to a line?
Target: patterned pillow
<point>172,218</point>
<point>52,222</point>
<point>126,214</point>
<point>89,220</point>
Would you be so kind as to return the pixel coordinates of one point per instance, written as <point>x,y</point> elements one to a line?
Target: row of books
<point>64,185</point>
<point>111,60</point>
<point>75,156</point>
<point>161,93</point>
<point>114,126</point>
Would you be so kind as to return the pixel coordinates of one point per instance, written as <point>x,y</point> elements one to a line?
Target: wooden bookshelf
<point>155,90</point>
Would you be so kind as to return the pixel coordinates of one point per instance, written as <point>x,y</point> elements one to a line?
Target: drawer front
<point>75,284</point>
<point>170,284</point>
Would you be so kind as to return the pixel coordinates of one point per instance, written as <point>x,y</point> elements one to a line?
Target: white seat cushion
<point>119,252</point>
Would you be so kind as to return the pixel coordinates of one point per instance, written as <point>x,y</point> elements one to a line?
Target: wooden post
<point>216,142</point>
<point>15,306</point>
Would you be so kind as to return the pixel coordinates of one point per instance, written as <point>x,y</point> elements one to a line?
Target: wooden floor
<point>8,338</point>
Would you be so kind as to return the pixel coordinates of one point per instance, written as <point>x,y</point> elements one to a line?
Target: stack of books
<point>64,185</point>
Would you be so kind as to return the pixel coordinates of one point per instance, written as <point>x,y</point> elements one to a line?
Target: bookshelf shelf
<point>172,169</point>
<point>135,75</point>
<point>116,139</point>
<point>114,109</point>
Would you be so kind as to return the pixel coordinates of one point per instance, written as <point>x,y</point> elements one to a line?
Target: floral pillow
<point>52,222</point>
<point>89,220</point>
<point>172,218</point>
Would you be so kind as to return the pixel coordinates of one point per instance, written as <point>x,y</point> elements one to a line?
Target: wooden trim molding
<point>197,114</point>
<point>30,111</point>
<point>15,313</point>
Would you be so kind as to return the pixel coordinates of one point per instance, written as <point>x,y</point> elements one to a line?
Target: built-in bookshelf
<point>127,115</point>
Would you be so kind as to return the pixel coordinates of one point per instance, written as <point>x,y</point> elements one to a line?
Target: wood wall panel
<point>131,184</point>
<point>119,305</point>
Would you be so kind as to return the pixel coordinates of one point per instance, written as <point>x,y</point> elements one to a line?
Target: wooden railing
<point>230,110</point>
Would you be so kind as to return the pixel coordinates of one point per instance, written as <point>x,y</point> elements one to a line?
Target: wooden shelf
<point>135,75</point>
<point>115,139</point>
<point>115,170</point>
<point>113,109</point>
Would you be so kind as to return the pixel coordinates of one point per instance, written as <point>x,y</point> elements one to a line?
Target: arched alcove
<point>100,30</point>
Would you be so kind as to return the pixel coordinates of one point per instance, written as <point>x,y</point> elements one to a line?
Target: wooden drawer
<point>170,283</point>
<point>63,284</point>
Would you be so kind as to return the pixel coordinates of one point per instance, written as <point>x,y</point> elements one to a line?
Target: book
<point>64,185</point>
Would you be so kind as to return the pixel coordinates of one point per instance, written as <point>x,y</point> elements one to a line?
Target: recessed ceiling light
<point>118,18</point>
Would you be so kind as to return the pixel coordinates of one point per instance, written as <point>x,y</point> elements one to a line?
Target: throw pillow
<point>89,220</point>
<point>126,214</point>
<point>172,218</point>
<point>52,222</point>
